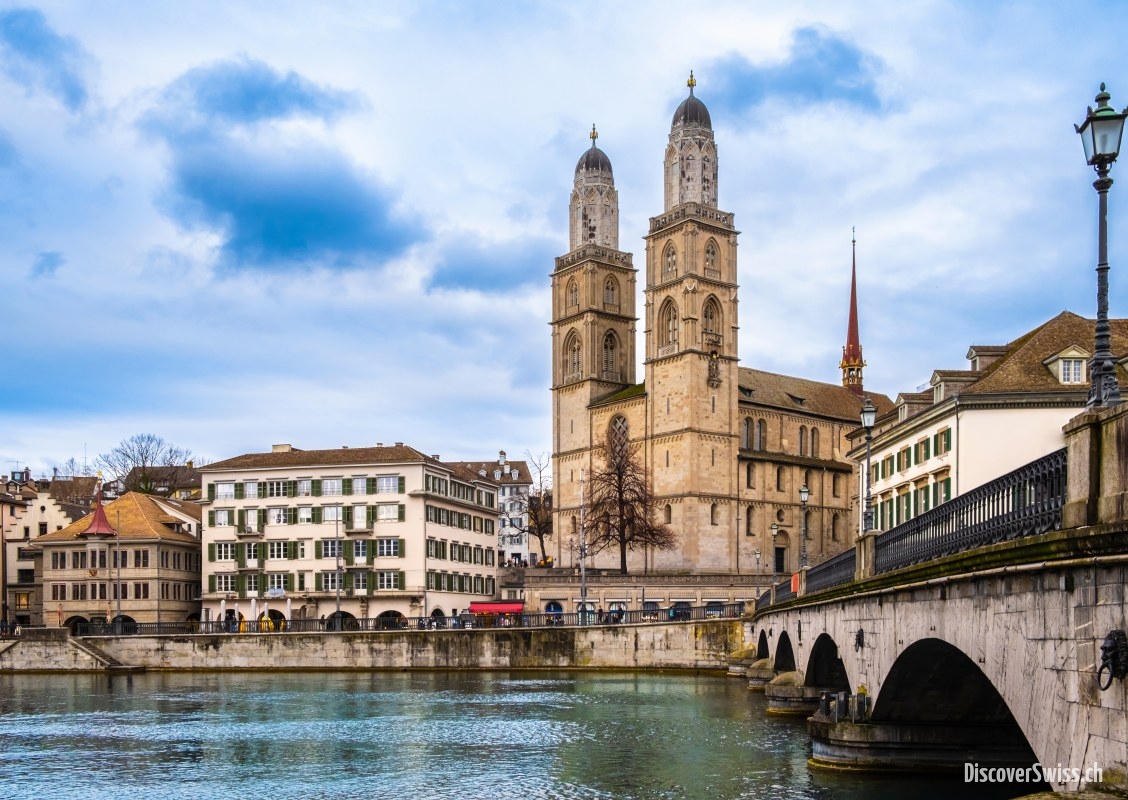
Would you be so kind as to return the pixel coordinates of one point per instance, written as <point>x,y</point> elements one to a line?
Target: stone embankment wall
<point>694,645</point>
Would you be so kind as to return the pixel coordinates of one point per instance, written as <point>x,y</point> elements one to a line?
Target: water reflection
<point>413,736</point>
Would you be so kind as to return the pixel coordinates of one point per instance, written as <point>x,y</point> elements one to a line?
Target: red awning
<point>497,608</point>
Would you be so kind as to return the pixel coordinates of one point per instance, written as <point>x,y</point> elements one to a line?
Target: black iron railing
<point>832,572</point>
<point>675,613</point>
<point>783,591</point>
<point>1025,502</point>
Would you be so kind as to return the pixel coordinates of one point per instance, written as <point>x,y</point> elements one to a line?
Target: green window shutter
<point>371,583</point>
<point>261,585</point>
<point>402,484</point>
<point>291,516</point>
<point>315,515</point>
<point>211,491</point>
<point>346,486</point>
<point>288,581</point>
<point>211,584</point>
<point>241,585</point>
<point>241,519</point>
<point>261,518</point>
<point>315,487</point>
<point>211,551</point>
<point>317,549</point>
<point>347,582</point>
<point>371,553</point>
<point>370,486</point>
<point>239,490</point>
<point>399,576</point>
<point>317,581</point>
<point>291,488</point>
<point>211,520</point>
<point>927,453</point>
<point>348,547</point>
<point>401,546</point>
<point>369,516</point>
<point>291,550</point>
<point>262,490</point>
<point>947,489</point>
<point>948,438</point>
<point>241,554</point>
<point>402,511</point>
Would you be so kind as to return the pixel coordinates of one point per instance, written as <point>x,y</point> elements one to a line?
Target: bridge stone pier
<point>989,655</point>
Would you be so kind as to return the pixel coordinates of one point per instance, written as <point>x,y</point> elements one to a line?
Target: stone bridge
<point>989,655</point>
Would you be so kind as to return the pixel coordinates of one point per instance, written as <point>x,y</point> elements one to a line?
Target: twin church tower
<point>686,416</point>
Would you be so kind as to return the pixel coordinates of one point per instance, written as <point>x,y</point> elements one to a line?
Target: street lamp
<point>756,553</point>
<point>1100,135</point>
<point>869,416</point>
<point>804,496</point>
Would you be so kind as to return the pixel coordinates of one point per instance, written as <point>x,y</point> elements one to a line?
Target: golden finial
<point>593,135</point>
<point>691,82</point>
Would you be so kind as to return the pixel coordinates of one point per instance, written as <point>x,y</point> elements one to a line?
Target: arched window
<point>670,263</point>
<point>761,435</point>
<point>802,440</point>
<point>746,433</point>
<point>573,357</point>
<point>619,433</point>
<point>573,294</point>
<point>748,479</point>
<point>815,442</point>
<point>834,484</point>
<point>668,514</point>
<point>611,292</point>
<point>779,479</point>
<point>748,521</point>
<point>668,325</point>
<point>609,356</point>
<point>711,255</point>
<point>713,514</point>
<point>834,527</point>
<point>573,526</point>
<point>710,317</point>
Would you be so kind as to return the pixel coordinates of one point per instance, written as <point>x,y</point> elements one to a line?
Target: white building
<point>383,532</point>
<point>972,426</point>
<point>515,481</point>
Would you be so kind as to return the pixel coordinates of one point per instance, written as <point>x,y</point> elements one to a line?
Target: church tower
<point>852,362</point>
<point>691,346</point>
<point>593,314</point>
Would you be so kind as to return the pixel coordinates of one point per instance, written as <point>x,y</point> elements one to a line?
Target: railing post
<point>801,589</point>
<point>1083,454</point>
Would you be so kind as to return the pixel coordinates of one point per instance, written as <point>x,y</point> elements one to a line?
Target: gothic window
<point>573,357</point>
<point>710,315</point>
<point>711,255</point>
<point>713,514</point>
<point>748,477</point>
<point>746,433</point>
<point>802,440</point>
<point>620,434</point>
<point>668,325</point>
<point>609,352</point>
<point>668,516</point>
<point>779,479</point>
<point>835,489</point>
<point>761,435</point>
<point>573,294</point>
<point>834,527</point>
<point>815,442</point>
<point>670,263</point>
<point>611,292</point>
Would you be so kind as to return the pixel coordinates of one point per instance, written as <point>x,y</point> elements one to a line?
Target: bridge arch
<point>825,668</point>
<point>762,650</point>
<point>784,654</point>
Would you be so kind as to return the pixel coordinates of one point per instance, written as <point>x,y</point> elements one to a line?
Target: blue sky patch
<point>38,58</point>
<point>47,264</point>
<point>820,67</point>
<point>490,266</point>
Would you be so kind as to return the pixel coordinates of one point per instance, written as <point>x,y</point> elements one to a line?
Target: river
<point>415,736</point>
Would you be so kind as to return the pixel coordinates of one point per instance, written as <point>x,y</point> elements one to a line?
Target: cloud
<point>820,67</point>
<point>279,200</point>
<point>47,264</point>
<point>38,58</point>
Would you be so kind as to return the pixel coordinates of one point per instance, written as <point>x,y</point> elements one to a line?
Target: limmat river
<point>415,736</point>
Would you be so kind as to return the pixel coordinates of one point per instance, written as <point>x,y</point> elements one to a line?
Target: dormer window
<point>1070,366</point>
<point>1071,370</point>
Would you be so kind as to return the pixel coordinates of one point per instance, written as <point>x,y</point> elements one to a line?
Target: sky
<point>234,224</point>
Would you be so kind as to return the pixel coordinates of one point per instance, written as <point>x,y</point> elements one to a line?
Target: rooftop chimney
<point>281,448</point>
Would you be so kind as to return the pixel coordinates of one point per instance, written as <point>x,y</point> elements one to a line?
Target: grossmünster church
<point>727,447</point>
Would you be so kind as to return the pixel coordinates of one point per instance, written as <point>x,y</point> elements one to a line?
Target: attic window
<point>1071,370</point>
<point>799,401</point>
<point>745,392</point>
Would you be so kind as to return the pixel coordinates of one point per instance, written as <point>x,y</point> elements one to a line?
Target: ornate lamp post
<point>804,496</point>
<point>869,416</point>
<point>1100,134</point>
<point>756,553</point>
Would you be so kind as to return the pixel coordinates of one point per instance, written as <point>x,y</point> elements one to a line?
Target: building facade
<point>972,426</point>
<point>725,448</point>
<point>514,482</point>
<point>351,533</point>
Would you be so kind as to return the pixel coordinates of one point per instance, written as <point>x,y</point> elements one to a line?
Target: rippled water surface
<point>411,736</point>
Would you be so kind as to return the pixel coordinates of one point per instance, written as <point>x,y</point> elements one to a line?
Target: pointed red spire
<point>99,525</point>
<point>852,362</point>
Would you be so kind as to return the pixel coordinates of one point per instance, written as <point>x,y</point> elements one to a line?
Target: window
<point>802,440</point>
<point>278,516</point>
<point>305,487</point>
<point>779,479</point>
<point>250,489</point>
<point>668,327</point>
<point>1072,370</point>
<point>710,256</point>
<point>942,441</point>
<point>225,583</point>
<point>141,591</point>
<point>360,550</point>
<point>620,434</point>
<point>330,487</point>
<point>746,434</point>
<point>611,292</point>
<point>331,548</point>
<point>668,516</point>
<point>59,560</point>
<point>359,484</point>
<point>387,547</point>
<point>25,576</point>
<point>225,491</point>
<point>140,558</point>
<point>815,442</point>
<point>573,356</point>
<point>224,551</point>
<point>713,514</point>
<point>748,476</point>
<point>223,516</point>
<point>305,515</point>
<point>331,513</point>
<point>330,581</point>
<point>573,294</point>
<point>387,579</point>
<point>761,442</point>
<point>387,484</point>
<point>276,488</point>
<point>670,263</point>
<point>276,580</point>
<point>609,356</point>
<point>58,591</point>
<point>360,581</point>
<point>276,549</point>
<point>709,317</point>
<point>387,512</point>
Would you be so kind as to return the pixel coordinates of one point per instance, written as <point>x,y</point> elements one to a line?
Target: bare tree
<point>145,461</point>
<point>530,514</point>
<point>621,505</point>
<point>73,468</point>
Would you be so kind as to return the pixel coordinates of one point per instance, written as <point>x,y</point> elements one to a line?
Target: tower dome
<point>692,112</point>
<point>595,203</point>
<point>593,159</point>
